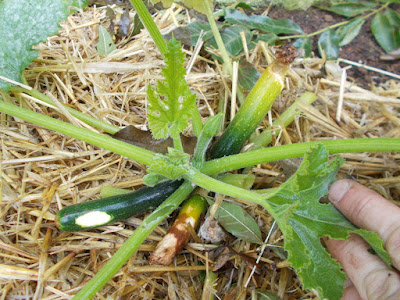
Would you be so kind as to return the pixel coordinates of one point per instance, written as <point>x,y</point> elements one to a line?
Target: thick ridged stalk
<point>251,158</point>
<point>150,25</point>
<point>106,142</point>
<point>98,124</point>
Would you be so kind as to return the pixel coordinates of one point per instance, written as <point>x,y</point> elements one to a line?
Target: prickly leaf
<point>24,24</point>
<point>303,221</point>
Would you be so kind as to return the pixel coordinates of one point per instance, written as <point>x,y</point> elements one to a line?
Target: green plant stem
<point>217,186</point>
<point>197,124</point>
<point>238,161</point>
<point>377,10</point>
<point>209,289</point>
<point>152,28</point>
<point>109,191</point>
<point>218,39</point>
<point>222,48</point>
<point>106,142</point>
<point>210,129</point>
<point>95,123</point>
<point>177,142</point>
<point>285,119</point>
<point>221,165</point>
<point>133,242</point>
<point>315,32</point>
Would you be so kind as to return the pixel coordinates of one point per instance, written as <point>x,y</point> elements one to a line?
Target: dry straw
<point>43,171</point>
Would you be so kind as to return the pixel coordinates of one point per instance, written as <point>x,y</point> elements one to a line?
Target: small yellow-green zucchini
<point>91,214</point>
<point>256,106</point>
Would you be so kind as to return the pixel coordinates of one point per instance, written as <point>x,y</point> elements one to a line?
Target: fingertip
<point>351,293</point>
<point>338,189</point>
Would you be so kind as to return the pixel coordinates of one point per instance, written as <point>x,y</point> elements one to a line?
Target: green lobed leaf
<point>305,45</point>
<point>269,38</point>
<point>171,107</point>
<point>234,219</point>
<point>171,166</point>
<point>263,295</point>
<point>349,31</point>
<point>80,4</point>
<point>303,221</point>
<point>248,75</point>
<point>329,43</point>
<point>189,34</point>
<point>244,6</point>
<point>351,9</point>
<point>387,35</point>
<point>393,17</point>
<point>233,40</point>
<point>23,24</point>
<point>137,25</point>
<point>105,45</point>
<point>262,23</point>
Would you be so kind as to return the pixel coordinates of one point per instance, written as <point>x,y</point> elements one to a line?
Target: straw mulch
<point>43,171</point>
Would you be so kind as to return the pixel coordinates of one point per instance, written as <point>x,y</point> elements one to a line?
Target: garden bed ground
<point>363,49</point>
<point>43,171</point>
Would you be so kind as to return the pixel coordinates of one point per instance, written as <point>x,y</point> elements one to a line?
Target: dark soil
<point>362,49</point>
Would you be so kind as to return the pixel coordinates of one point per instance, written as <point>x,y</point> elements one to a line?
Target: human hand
<point>370,277</point>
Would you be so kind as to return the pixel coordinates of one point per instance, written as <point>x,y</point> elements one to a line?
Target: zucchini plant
<point>294,205</point>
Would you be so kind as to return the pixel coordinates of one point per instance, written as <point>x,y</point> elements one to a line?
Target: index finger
<point>369,210</point>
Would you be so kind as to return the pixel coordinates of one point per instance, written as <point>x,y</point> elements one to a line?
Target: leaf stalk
<point>96,123</point>
<point>106,142</point>
<point>242,160</point>
<point>150,25</point>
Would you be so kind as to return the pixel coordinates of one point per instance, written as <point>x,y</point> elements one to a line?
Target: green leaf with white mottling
<point>303,221</point>
<point>105,45</point>
<point>234,219</point>
<point>23,24</point>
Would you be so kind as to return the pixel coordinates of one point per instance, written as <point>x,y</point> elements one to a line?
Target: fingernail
<point>337,190</point>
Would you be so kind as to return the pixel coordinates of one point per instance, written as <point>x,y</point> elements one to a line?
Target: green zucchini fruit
<point>91,214</point>
<point>256,106</point>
